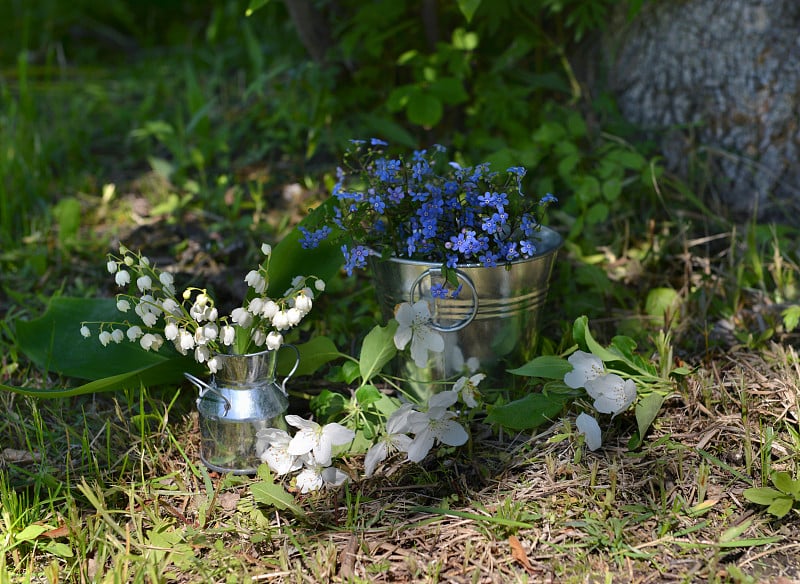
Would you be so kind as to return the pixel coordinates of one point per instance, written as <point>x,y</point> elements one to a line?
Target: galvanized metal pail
<point>493,323</point>
<point>242,398</point>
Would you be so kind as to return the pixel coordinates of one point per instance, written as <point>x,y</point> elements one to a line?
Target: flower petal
<point>590,429</point>
<point>376,454</point>
<point>451,433</point>
<point>585,367</point>
<point>420,446</point>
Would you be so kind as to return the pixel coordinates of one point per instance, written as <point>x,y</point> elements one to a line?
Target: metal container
<point>493,323</point>
<point>242,398</point>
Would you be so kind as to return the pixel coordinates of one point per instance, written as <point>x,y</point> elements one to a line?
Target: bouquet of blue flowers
<point>428,208</point>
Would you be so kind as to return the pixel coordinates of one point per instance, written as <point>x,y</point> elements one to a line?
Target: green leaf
<point>314,354</point>
<point>289,259</point>
<point>762,495</point>
<point>377,350</point>
<point>781,506</point>
<point>783,482</point>
<point>350,371</point>
<point>660,301</point>
<point>328,404</point>
<point>53,342</point>
<point>424,109</point>
<point>68,214</point>
<point>529,412</point>
<point>449,90</point>
<point>31,532</point>
<point>367,394</point>
<point>624,346</point>
<point>791,317</point>
<point>646,411</point>
<point>468,8</point>
<point>547,366</point>
<point>267,492</point>
<point>581,334</point>
<point>255,5</point>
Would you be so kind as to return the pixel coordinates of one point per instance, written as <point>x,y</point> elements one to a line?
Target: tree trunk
<point>719,81</point>
<point>311,26</point>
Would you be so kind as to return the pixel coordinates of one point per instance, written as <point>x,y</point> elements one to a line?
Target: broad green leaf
<point>449,90</point>
<point>31,532</point>
<point>289,259</point>
<point>646,411</point>
<point>581,333</point>
<point>68,214</point>
<point>624,346</point>
<point>424,109</point>
<point>781,506</point>
<point>272,494</point>
<point>367,394</point>
<point>350,371</point>
<point>529,412</point>
<point>328,404</point>
<point>791,317</point>
<point>547,366</point>
<point>468,8</point>
<point>314,354</point>
<point>784,483</point>
<point>53,342</point>
<point>762,495</point>
<point>160,373</point>
<point>377,350</point>
<point>660,301</point>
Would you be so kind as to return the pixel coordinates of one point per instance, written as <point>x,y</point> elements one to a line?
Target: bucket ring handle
<point>463,278</point>
<point>204,388</point>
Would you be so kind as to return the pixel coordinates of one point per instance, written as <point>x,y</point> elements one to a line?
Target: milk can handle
<point>296,365</point>
<point>204,388</point>
<point>462,277</point>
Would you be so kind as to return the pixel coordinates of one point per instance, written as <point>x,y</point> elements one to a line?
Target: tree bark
<point>311,27</point>
<point>719,82</point>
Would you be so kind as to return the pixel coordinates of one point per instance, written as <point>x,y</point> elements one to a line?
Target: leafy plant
<point>779,500</point>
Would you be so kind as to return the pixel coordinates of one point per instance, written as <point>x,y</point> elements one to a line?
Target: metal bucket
<point>493,322</point>
<point>242,398</point>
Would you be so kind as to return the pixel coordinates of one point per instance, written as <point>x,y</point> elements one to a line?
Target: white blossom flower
<point>256,281</point>
<point>104,337</point>
<point>269,309</point>
<point>117,336</point>
<point>294,316</point>
<point>316,439</point>
<point>255,305</point>
<point>280,320</point>
<point>303,302</point>
<point>241,317</point>
<point>149,319</point>
<point>112,266</point>
<point>313,478</point>
<point>122,278</point>
<point>168,281</point>
<point>147,341</point>
<point>585,367</point>
<point>266,249</point>
<point>144,283</point>
<point>258,337</point>
<point>228,335</point>
<point>171,331</point>
<point>296,281</point>
<point>129,261</point>
<point>202,354</point>
<point>134,333</point>
<point>213,364</point>
<point>319,285</point>
<point>272,444</point>
<point>590,429</point>
<point>85,332</point>
<point>611,393</point>
<point>274,341</point>
<point>144,261</point>
<point>414,326</point>
<point>185,340</point>
<point>467,387</point>
<point>123,305</point>
<point>394,440</point>
<point>436,424</point>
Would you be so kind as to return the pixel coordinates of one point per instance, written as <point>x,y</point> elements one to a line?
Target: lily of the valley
<point>414,325</point>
